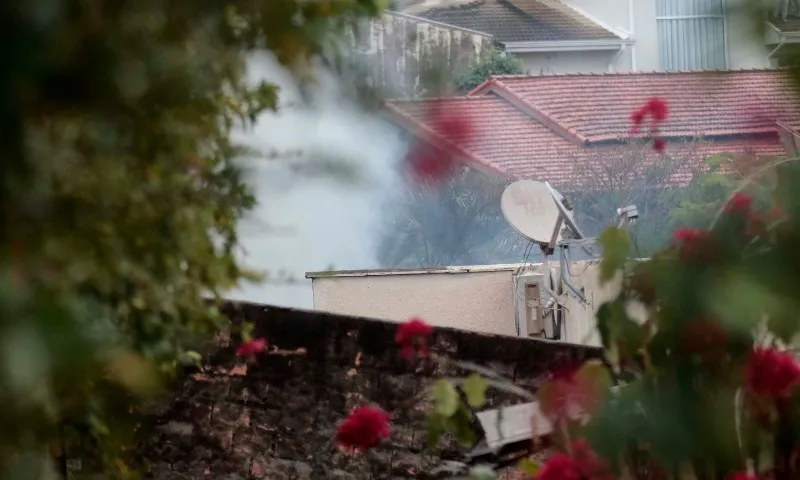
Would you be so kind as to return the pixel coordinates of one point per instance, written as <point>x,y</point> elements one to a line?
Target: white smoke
<point>306,223</point>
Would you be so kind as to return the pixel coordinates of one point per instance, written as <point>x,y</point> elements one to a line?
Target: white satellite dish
<point>530,207</point>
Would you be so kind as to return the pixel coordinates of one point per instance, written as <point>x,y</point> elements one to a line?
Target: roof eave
<point>567,46</point>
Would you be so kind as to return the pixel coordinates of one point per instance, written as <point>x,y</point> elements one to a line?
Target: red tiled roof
<point>544,133</point>
<point>713,102</point>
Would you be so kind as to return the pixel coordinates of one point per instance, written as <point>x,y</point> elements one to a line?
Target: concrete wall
<point>481,299</point>
<point>275,418</point>
<point>402,53</point>
<point>574,62</point>
<point>615,14</point>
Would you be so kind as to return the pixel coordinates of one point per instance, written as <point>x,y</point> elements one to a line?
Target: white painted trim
<point>440,24</point>
<point>504,267</point>
<point>566,46</point>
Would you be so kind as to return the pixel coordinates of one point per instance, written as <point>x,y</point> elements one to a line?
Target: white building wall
<point>480,299</point>
<point>744,42</point>
<point>617,15</point>
<point>574,62</point>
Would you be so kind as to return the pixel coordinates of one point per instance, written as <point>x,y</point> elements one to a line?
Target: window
<point>691,34</point>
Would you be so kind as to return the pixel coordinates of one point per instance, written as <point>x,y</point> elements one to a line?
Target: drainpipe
<point>780,44</point>
<point>616,56</point>
<point>631,22</point>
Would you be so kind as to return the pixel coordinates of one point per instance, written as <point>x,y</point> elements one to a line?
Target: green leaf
<point>482,472</point>
<point>475,389</point>
<point>445,398</point>
<point>434,428</point>
<point>616,244</point>
<point>528,467</point>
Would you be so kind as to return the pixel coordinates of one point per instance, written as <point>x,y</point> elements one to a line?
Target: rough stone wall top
<point>276,418</point>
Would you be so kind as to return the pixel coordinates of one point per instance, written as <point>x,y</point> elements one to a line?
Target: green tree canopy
<point>495,63</point>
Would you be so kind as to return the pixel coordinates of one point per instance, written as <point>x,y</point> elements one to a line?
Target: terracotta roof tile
<point>511,140</point>
<point>517,20</point>
<point>598,106</point>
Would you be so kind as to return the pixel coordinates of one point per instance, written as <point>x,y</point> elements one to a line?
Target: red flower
<point>252,347</point>
<point>742,476</point>
<point>583,464</point>
<point>739,203</point>
<point>637,118</point>
<point>412,337</point>
<point>771,373</point>
<point>364,428</point>
<point>435,162</point>
<point>659,144</point>
<point>430,164</point>
<point>657,108</point>
<point>560,467</point>
<point>692,241</point>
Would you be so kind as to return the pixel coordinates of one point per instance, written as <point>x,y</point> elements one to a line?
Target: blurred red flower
<point>658,111</point>
<point>742,476</point>
<point>583,464</point>
<point>692,241</point>
<point>771,373</point>
<point>252,347</point>
<point>412,338</point>
<point>364,428</point>
<point>739,203</point>
<point>657,108</point>
<point>431,163</point>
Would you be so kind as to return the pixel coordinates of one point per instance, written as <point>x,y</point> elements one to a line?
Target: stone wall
<point>276,418</point>
<point>404,55</point>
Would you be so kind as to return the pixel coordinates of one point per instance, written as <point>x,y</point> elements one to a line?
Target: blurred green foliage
<point>119,200</point>
<point>496,62</point>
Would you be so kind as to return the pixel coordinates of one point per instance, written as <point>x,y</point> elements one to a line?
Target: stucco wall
<point>481,299</point>
<point>572,62</point>
<point>615,15</point>
<point>402,53</point>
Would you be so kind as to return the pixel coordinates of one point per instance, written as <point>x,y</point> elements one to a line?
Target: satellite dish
<point>530,207</point>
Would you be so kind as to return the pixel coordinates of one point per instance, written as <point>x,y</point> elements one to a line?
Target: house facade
<point>570,36</point>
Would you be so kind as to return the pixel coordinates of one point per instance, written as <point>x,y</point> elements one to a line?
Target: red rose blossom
<point>742,476</point>
<point>412,338</point>
<point>252,347</point>
<point>560,467</point>
<point>430,163</point>
<point>583,464</point>
<point>771,373</point>
<point>657,110</point>
<point>692,241</point>
<point>364,428</point>
<point>739,203</point>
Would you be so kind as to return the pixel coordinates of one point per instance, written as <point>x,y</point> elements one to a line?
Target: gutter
<point>438,24</point>
<point>566,46</point>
